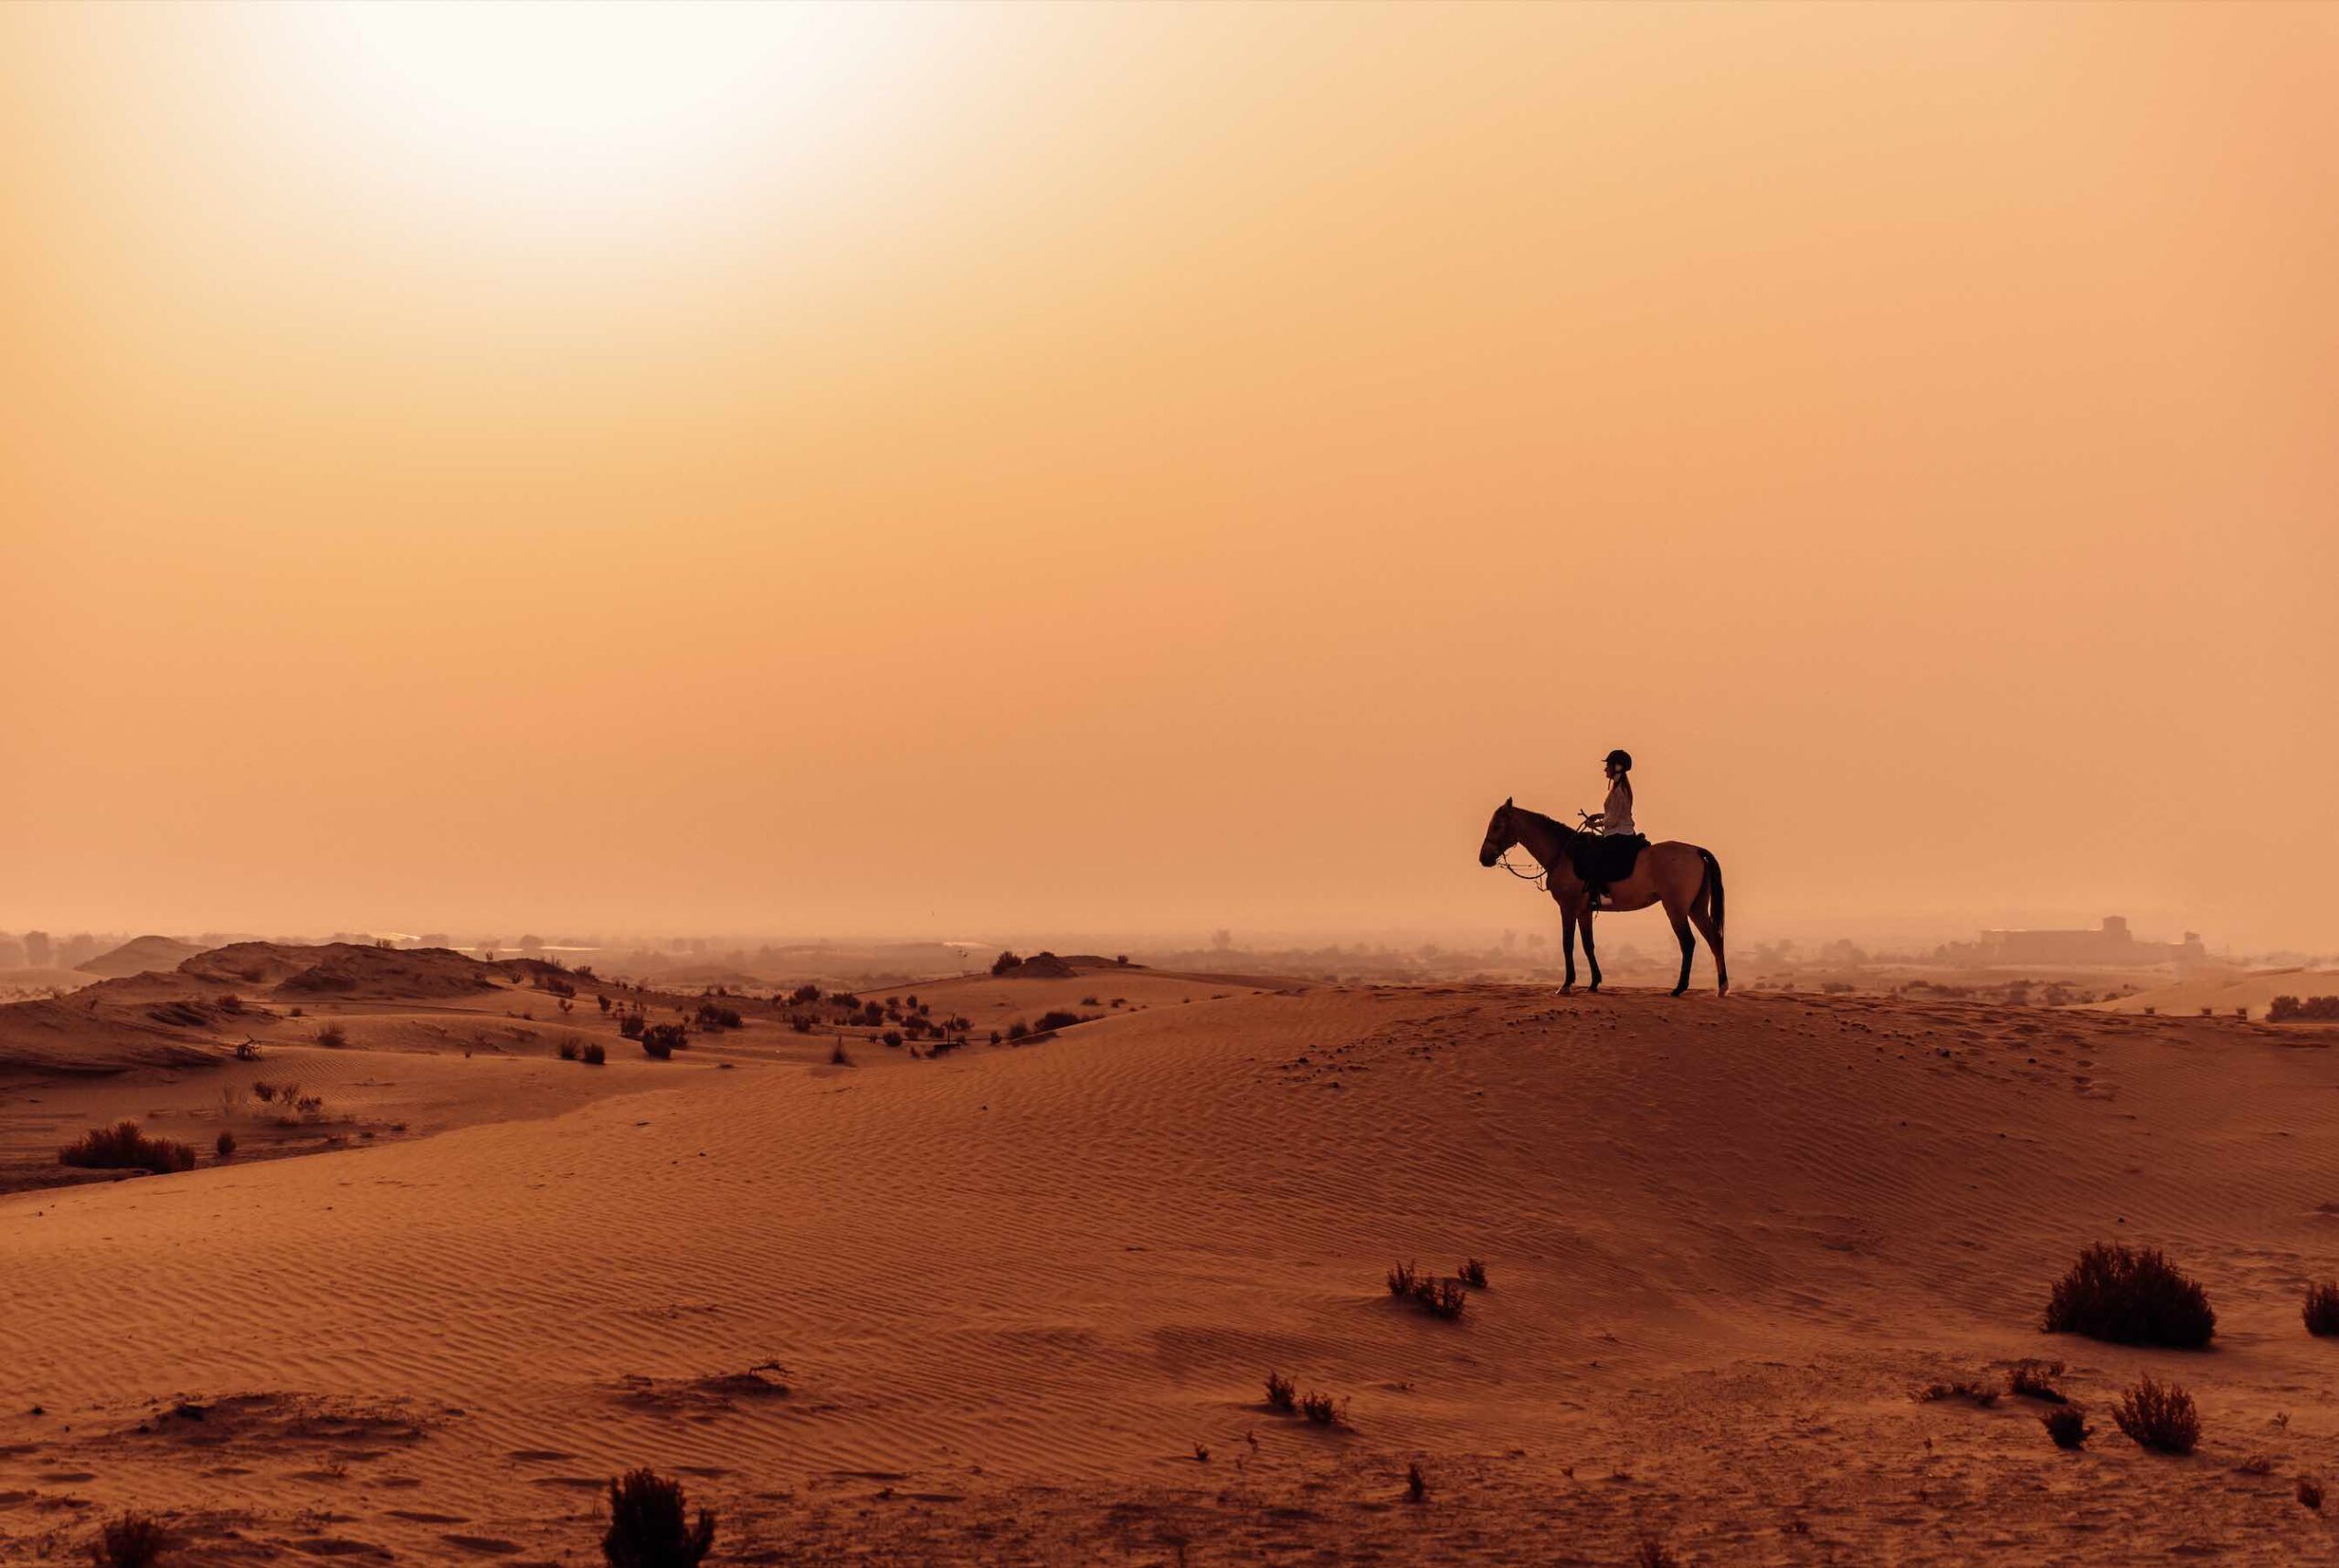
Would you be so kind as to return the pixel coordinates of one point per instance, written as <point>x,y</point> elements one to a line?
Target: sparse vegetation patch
<point>2159,1416</point>
<point>123,1146</point>
<point>649,1524</point>
<point>2131,1296</point>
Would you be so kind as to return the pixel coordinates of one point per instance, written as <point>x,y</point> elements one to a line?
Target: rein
<point>1539,876</point>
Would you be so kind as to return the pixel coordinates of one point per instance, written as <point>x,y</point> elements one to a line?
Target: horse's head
<point>1500,835</point>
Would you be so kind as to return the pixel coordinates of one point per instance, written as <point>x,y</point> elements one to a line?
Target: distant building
<point>2111,943</point>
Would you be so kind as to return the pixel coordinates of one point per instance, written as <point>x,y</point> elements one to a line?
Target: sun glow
<point>606,109</point>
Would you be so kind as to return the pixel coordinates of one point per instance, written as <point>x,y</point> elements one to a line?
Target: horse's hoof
<point>1566,989</point>
<point>1680,989</point>
<point>1594,987</point>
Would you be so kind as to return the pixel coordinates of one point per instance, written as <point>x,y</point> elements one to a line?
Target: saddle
<point>1603,861</point>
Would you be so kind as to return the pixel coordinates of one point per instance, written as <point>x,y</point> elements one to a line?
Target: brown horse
<point>1683,877</point>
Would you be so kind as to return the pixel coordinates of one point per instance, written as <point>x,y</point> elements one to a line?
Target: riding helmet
<point>1621,757</point>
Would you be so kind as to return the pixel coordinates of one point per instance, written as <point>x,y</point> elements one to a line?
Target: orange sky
<point>950,472</point>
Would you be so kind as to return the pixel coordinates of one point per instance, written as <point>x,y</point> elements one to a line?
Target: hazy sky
<point>957,471</point>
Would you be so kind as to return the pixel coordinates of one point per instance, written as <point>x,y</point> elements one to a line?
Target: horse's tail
<point>1713,884</point>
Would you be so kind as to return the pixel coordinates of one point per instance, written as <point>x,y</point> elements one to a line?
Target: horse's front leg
<point>1567,946</point>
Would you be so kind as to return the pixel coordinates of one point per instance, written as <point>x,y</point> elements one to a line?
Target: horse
<point>1685,878</point>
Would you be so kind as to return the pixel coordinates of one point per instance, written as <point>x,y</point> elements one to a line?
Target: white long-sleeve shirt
<point>1616,816</point>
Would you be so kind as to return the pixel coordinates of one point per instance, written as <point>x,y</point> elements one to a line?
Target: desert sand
<point>1016,1304</point>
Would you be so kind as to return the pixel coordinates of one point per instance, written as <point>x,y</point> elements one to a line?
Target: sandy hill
<point>1015,1306</point>
<point>2223,994</point>
<point>140,955</point>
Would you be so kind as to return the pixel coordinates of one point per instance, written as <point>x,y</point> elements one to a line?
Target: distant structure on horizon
<point>2111,943</point>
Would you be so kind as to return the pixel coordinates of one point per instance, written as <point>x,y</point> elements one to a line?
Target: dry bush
<point>710,1016</point>
<point>2309,1492</point>
<point>647,1527</point>
<point>837,1058</point>
<point>333,1035</point>
<point>1402,1277</point>
<point>1441,1297</point>
<point>2032,1378</point>
<point>1018,1029</point>
<point>2321,1311</point>
<point>2256,1465</point>
<point>123,1146</point>
<point>132,1541</point>
<point>1416,1484</point>
<point>2158,1415</point>
<point>631,1025</point>
<point>594,1055</point>
<point>1058,1019</point>
<point>1652,1553</point>
<point>1322,1410</point>
<point>2068,1426</point>
<point>568,1050</point>
<point>2131,1296</point>
<point>661,1040</point>
<point>1971,1390</point>
<point>1282,1394</point>
<point>226,1145</point>
<point>1472,1273</point>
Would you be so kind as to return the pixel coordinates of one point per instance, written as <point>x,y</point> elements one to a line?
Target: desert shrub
<point>892,1037</point>
<point>661,1040</point>
<point>604,1001</point>
<point>1971,1390</point>
<point>1058,1019</point>
<point>1472,1273</point>
<point>2131,1296</point>
<point>2309,1492</point>
<point>1090,1001</point>
<point>1322,1410</point>
<point>2256,1465</point>
<point>247,1051</point>
<point>1416,1484</point>
<point>556,985</point>
<point>1005,963</point>
<point>2313,1007</point>
<point>710,1016</point>
<point>2159,1416</point>
<point>123,1146</point>
<point>264,1090</point>
<point>994,1036</point>
<point>1402,1276</point>
<point>568,1050</point>
<point>1282,1394</point>
<point>132,1541</point>
<point>647,1527</point>
<point>1650,1551</point>
<point>225,1144</point>
<point>592,1054</point>
<point>2067,1426</point>
<point>805,993</point>
<point>2322,1310</point>
<point>800,1022</point>
<point>1441,1297</point>
<point>231,1002</point>
<point>1018,1029</point>
<point>837,1058</point>
<point>2029,1379</point>
<point>334,1035</point>
<point>631,1025</point>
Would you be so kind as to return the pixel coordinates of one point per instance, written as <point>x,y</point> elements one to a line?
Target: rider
<point>1614,818</point>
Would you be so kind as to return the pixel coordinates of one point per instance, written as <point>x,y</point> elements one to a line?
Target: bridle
<point>1539,876</point>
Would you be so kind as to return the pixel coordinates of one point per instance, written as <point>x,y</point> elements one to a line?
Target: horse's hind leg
<point>1567,944</point>
<point>1591,958</point>
<point>1689,946</point>
<point>1702,917</point>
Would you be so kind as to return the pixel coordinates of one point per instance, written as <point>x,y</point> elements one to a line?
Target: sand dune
<point>2223,994</point>
<point>140,955</point>
<point>1010,1291</point>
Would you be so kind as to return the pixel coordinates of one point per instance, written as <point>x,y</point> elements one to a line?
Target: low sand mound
<point>1016,1305</point>
<point>2222,994</point>
<point>346,969</point>
<point>142,954</point>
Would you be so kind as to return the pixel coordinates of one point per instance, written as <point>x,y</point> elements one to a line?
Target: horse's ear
<point>1506,802</point>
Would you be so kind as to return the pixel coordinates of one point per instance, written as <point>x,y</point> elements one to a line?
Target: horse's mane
<point>1562,828</point>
